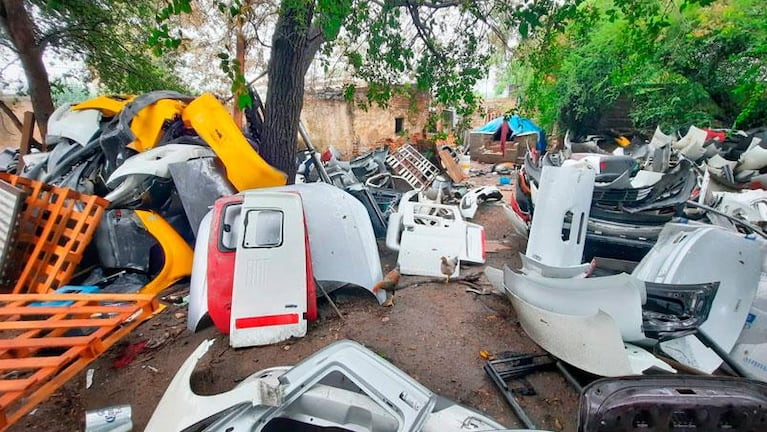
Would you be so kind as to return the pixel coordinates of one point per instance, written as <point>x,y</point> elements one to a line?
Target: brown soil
<point>434,332</point>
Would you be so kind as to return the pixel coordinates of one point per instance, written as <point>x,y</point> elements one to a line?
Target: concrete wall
<point>352,130</point>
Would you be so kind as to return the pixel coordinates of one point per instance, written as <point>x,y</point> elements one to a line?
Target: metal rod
<point>746,224</point>
<point>509,395</point>
<point>569,376</point>
<point>330,300</point>
<point>725,356</point>
<point>313,153</point>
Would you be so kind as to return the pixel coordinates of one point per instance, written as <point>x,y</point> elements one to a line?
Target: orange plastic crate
<point>55,226</point>
<point>41,347</point>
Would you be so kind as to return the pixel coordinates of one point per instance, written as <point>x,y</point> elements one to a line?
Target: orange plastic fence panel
<point>55,226</point>
<point>40,371</point>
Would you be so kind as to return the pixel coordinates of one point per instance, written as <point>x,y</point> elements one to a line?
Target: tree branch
<point>421,31</point>
<point>48,38</point>
<point>315,38</point>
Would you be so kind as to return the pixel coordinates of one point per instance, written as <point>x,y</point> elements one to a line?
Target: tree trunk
<point>285,93</point>
<point>17,23</point>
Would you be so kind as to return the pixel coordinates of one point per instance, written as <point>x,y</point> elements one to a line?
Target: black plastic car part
<point>673,403</point>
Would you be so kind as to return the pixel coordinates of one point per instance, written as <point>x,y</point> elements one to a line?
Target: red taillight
<point>602,166</point>
<point>326,155</point>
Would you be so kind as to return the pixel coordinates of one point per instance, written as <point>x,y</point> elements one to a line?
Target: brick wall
<point>352,130</point>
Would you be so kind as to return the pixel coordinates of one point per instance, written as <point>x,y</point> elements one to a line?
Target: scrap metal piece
<point>114,141</point>
<point>198,282</point>
<point>691,145</point>
<point>408,163</point>
<point>425,232</point>
<point>672,403</point>
<point>692,254</point>
<point>130,180</point>
<point>156,162</point>
<point>620,296</point>
<point>219,269</point>
<point>362,193</point>
<point>200,182</point>
<point>565,337</point>
<point>110,419</point>
<point>271,273</point>
<point>470,200</point>
<point>565,195</point>
<point>345,254</point>
<point>342,386</point>
<point>755,158</point>
<point>514,367</point>
<point>673,189</point>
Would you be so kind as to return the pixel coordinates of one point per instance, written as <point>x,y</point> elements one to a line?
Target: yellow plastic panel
<point>108,106</point>
<point>244,167</point>
<point>147,124</point>
<point>178,254</point>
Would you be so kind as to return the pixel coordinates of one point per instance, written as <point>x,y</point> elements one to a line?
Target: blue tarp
<point>518,126</point>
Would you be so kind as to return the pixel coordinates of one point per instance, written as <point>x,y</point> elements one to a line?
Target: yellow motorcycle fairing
<point>147,124</point>
<point>244,166</point>
<point>108,105</point>
<point>178,254</point>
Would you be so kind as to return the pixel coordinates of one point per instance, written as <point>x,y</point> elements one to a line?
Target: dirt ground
<point>434,332</point>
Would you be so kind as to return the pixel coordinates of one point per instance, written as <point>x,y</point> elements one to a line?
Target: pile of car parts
<point>150,157</point>
<point>690,292</point>
<point>101,222</point>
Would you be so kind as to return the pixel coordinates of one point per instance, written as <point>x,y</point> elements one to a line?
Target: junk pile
<point>400,196</point>
<point>99,223</point>
<point>643,259</point>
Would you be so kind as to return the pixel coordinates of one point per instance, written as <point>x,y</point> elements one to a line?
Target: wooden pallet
<point>43,346</point>
<point>55,226</point>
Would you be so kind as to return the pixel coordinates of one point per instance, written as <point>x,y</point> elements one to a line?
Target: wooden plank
<point>453,170</point>
<point>27,132</point>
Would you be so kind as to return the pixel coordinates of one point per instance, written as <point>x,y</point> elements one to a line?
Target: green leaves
<point>689,61</point>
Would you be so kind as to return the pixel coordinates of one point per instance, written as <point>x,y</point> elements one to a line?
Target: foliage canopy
<point>702,62</point>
